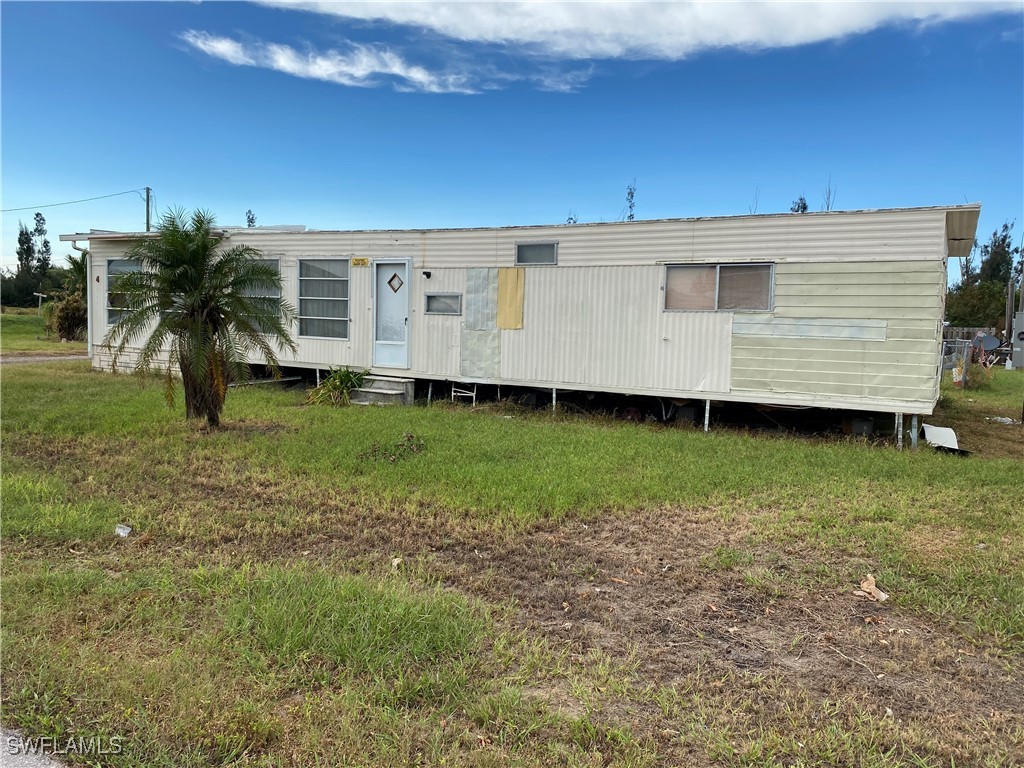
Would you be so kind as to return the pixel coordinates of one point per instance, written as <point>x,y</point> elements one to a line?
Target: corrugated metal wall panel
<point>698,357</point>
<point>603,326</point>
<point>435,338</point>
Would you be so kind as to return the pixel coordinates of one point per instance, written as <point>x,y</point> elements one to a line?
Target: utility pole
<point>1011,286</point>
<point>148,190</point>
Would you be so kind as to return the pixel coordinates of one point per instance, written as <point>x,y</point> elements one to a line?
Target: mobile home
<point>837,309</point>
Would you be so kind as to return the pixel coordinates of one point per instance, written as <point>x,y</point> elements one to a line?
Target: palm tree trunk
<point>195,406</point>
<point>194,400</point>
<point>217,392</point>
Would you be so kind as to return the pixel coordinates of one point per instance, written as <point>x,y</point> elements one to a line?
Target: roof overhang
<point>961,229</point>
<point>104,234</point>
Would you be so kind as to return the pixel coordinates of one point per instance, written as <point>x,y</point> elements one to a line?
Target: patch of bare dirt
<point>635,587</point>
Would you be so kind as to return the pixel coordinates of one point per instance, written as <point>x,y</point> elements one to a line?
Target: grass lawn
<point>493,586</point>
<point>972,411</point>
<point>21,333</point>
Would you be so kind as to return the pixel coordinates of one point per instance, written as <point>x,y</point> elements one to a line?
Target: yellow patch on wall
<point>510,298</point>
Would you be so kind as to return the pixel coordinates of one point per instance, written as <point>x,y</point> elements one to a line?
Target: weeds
<point>405,448</point>
<point>336,389</point>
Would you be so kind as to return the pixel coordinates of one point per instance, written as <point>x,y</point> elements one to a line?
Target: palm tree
<point>77,280</point>
<point>203,308</point>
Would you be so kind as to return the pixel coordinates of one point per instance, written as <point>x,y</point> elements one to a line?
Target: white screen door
<point>391,314</point>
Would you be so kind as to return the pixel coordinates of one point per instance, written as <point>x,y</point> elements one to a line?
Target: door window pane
<point>392,305</point>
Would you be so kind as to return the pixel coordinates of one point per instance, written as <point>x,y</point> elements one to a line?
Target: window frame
<point>106,293</point>
<point>718,280</point>
<point>519,263</point>
<point>442,294</point>
<point>348,298</point>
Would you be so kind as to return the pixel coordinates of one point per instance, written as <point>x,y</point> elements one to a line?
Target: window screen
<point>745,286</point>
<point>323,298</point>
<point>444,303</point>
<point>117,303</point>
<point>536,253</point>
<point>724,286</point>
<point>690,288</point>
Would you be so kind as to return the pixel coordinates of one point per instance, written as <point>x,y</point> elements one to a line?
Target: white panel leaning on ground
<point>840,309</point>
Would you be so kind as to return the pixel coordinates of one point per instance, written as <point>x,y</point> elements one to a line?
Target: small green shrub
<point>70,316</point>
<point>337,388</point>
<point>66,317</point>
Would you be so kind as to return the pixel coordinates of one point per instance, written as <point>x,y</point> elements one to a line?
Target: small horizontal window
<point>744,287</point>
<point>536,253</point>
<point>444,303</point>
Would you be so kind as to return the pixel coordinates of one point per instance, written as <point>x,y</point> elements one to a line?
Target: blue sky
<point>394,115</point>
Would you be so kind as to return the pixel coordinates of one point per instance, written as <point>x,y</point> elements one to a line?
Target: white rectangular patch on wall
<point>810,328</point>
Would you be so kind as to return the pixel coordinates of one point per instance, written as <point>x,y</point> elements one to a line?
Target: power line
<point>70,202</point>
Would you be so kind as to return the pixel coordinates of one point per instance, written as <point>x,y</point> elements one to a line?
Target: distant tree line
<point>64,287</point>
<point>35,272</point>
<point>979,298</point>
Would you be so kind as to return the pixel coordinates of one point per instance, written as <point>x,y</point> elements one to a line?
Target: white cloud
<point>218,47</point>
<point>538,38</point>
<point>649,30</point>
<point>362,66</point>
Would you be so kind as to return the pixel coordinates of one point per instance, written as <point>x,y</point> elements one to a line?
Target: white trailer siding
<point>100,253</point>
<point>604,328</point>
<point>855,320</point>
<point>890,313</point>
<point>436,339</point>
